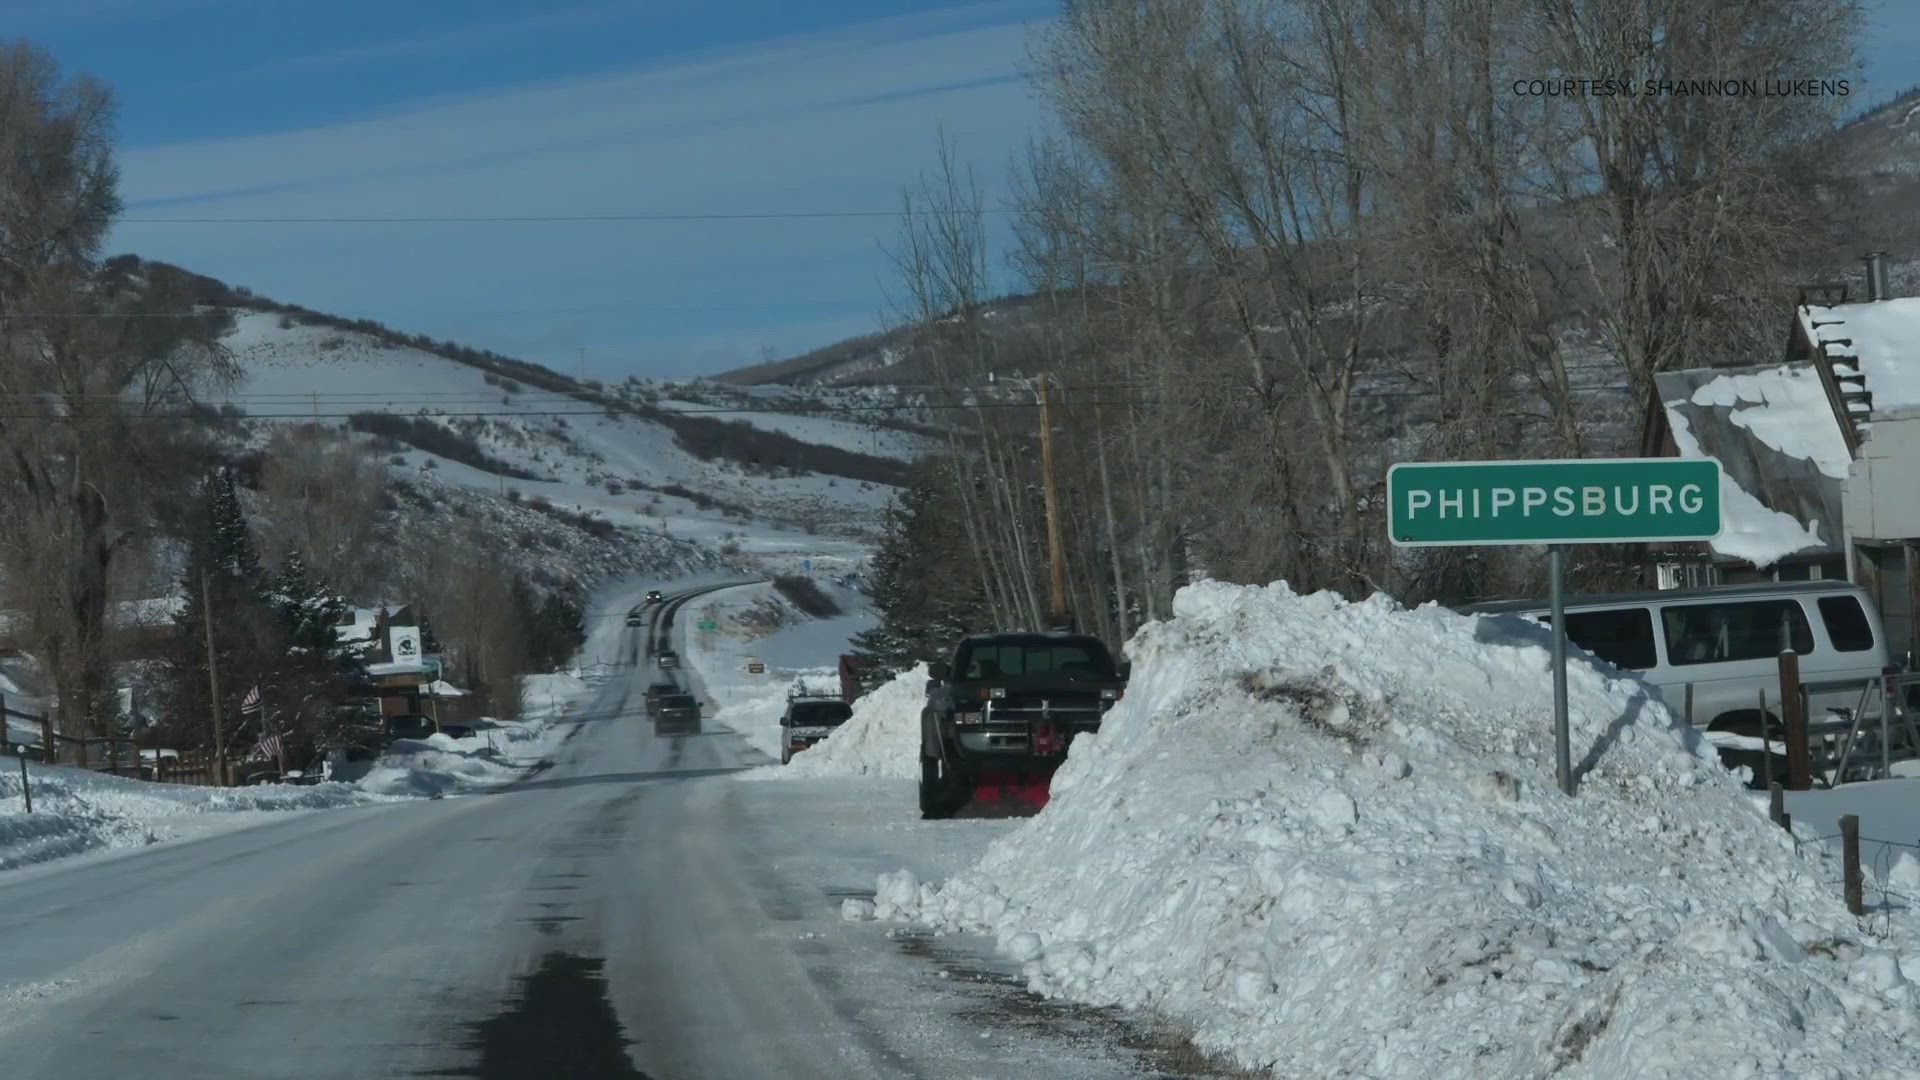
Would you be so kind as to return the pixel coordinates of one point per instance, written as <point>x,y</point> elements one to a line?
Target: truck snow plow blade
<point>1008,793</point>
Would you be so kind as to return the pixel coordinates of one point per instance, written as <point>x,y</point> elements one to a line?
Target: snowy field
<point>1326,836</point>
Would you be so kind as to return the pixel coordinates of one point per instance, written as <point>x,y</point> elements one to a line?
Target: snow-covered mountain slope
<point>625,465</point>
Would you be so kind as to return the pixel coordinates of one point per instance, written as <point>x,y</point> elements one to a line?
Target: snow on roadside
<point>497,753</point>
<point>881,738</point>
<point>751,705</point>
<point>77,810</point>
<point>1326,836</point>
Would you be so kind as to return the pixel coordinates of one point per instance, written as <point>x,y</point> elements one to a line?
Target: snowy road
<point>628,912</point>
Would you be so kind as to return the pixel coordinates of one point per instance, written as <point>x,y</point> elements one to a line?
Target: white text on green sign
<point>1584,501</point>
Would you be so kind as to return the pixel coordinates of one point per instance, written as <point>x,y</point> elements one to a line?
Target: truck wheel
<point>936,790</point>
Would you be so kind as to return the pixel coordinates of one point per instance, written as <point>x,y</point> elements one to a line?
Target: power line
<point>474,219</point>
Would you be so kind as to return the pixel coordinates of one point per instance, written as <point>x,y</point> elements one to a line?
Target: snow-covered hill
<point>508,440</point>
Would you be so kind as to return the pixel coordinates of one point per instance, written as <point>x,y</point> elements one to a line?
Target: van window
<point>1846,623</point>
<point>1746,630</point>
<point>1622,637</point>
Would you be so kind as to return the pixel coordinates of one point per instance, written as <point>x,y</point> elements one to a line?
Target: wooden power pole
<point>1055,551</point>
<point>213,685</point>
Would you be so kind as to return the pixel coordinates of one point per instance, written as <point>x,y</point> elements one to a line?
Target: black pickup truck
<point>1000,716</point>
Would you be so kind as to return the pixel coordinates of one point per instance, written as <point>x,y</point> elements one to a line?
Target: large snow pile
<point>881,738</point>
<point>75,810</point>
<point>497,753</point>
<point>1326,836</point>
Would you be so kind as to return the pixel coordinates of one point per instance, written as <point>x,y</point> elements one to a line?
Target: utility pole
<point>1056,552</point>
<point>213,681</point>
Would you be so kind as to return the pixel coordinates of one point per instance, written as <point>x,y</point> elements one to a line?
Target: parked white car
<point>1726,642</point>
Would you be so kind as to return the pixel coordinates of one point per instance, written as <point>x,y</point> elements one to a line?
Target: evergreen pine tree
<point>222,570</point>
<point>922,583</point>
<point>317,672</point>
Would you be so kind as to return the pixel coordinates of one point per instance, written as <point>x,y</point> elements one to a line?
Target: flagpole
<point>279,744</point>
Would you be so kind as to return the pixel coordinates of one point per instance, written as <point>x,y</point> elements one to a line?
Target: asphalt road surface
<point>628,912</point>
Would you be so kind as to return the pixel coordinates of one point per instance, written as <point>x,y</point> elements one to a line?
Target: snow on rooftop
<point>1885,339</point>
<point>1326,835</point>
<point>1751,530</point>
<point>1785,408</point>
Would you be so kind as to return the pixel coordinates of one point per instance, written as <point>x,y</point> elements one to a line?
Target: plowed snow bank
<point>1326,835</point>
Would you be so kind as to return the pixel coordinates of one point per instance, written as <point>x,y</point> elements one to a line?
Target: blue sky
<point>460,108</point>
<point>354,108</point>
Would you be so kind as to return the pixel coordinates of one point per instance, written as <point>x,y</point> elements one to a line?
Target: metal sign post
<point>1562,743</point>
<point>1555,503</point>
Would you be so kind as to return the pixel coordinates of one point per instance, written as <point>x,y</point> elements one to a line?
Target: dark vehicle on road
<point>807,721</point>
<point>655,692</point>
<point>633,618</point>
<point>678,714</point>
<point>654,597</point>
<point>669,659</point>
<point>1001,714</point>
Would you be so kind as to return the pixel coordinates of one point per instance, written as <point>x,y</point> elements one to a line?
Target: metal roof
<point>1791,485</point>
<point>1667,596</point>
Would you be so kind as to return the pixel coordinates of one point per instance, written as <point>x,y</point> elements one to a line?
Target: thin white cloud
<point>822,121</point>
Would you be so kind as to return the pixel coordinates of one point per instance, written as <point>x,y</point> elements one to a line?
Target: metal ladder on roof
<point>1844,382</point>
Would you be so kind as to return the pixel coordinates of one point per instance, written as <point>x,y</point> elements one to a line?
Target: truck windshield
<point>820,713</point>
<point>1072,661</point>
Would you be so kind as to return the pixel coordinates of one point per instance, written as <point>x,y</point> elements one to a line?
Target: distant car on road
<point>807,721</point>
<point>669,659</point>
<point>679,714</point>
<point>633,618</point>
<point>654,597</point>
<point>657,691</point>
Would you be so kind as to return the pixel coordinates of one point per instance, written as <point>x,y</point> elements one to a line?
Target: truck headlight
<point>989,693</point>
<point>1111,694</point>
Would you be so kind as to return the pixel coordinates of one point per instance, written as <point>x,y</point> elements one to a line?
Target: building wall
<point>1887,576</point>
<point>1881,498</point>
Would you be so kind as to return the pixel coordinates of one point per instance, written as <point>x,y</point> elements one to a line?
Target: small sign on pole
<point>755,667</point>
<point>1555,503</point>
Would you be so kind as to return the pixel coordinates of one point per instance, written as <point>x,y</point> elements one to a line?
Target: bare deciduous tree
<point>89,378</point>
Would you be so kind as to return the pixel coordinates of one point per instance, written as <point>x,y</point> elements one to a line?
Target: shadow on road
<point>626,778</point>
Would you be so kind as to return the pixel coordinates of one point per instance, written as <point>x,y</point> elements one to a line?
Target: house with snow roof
<point>403,674</point>
<point>1820,454</point>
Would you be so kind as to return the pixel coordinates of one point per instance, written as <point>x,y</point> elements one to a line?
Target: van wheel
<point>1751,723</point>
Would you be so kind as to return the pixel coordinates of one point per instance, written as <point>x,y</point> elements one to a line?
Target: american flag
<point>251,703</point>
<point>267,749</point>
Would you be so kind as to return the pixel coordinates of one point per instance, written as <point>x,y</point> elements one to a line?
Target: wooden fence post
<point>1777,806</point>
<point>1793,712</point>
<point>49,750</point>
<point>1850,863</point>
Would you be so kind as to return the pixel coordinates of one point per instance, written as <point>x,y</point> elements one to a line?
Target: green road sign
<point>709,624</point>
<point>1582,501</point>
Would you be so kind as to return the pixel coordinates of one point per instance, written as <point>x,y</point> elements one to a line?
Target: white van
<point>1726,643</point>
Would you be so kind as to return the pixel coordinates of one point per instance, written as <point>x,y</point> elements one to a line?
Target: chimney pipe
<point>1876,275</point>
